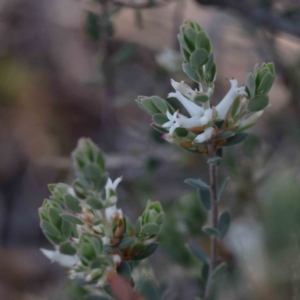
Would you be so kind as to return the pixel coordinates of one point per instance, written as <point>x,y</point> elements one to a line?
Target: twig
<point>214,218</point>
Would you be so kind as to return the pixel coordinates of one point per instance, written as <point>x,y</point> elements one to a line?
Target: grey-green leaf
<point>50,229</point>
<point>202,41</point>
<point>224,135</point>
<point>219,270</point>
<point>210,231</point>
<point>147,251</point>
<point>126,242</point>
<point>71,219</point>
<point>197,183</point>
<point>250,83</point>
<point>198,253</point>
<point>124,270</point>
<point>189,71</point>
<point>236,139</point>
<point>147,289</point>
<point>258,103</point>
<point>223,187</point>
<point>67,248</point>
<point>72,203</point>
<point>160,119</point>
<point>214,160</point>
<point>265,84</point>
<point>198,58</point>
<point>223,224</point>
<point>151,228</point>
<point>205,198</point>
<point>94,203</point>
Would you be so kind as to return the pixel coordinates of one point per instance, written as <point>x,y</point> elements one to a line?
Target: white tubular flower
<point>224,106</point>
<point>173,122</point>
<point>191,107</point>
<point>111,186</point>
<point>184,89</point>
<point>251,120</point>
<point>67,261</point>
<point>112,212</point>
<point>206,135</point>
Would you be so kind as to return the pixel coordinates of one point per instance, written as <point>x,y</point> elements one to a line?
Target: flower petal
<point>192,108</point>
<point>206,135</point>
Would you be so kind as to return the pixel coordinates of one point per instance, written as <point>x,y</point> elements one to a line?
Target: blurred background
<point>72,68</point>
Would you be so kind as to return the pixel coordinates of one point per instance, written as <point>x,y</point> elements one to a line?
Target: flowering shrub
<point>93,238</point>
<point>208,129</point>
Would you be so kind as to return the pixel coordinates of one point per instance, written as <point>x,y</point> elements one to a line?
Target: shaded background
<point>73,68</point>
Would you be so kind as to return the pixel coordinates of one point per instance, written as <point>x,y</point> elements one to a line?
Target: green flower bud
<point>89,163</point>
<point>195,48</point>
<point>153,213</point>
<point>90,247</point>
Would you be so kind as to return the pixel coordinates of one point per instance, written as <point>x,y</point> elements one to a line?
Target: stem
<point>214,218</point>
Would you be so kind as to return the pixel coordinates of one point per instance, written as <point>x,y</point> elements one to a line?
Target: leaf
<point>67,248</point>
<point>224,135</point>
<point>92,172</point>
<point>214,160</point>
<point>189,71</point>
<point>147,289</point>
<point>71,219</point>
<point>151,228</point>
<point>223,187</point>
<point>202,98</point>
<point>236,139</point>
<point>223,224</point>
<point>197,183</point>
<point>210,231</point>
<point>160,119</point>
<point>66,229</point>
<point>202,41</point>
<point>160,103</point>
<point>94,203</point>
<point>54,216</point>
<point>265,84</point>
<point>189,37</point>
<point>271,67</point>
<point>181,132</point>
<point>50,229</point>
<point>124,270</point>
<point>235,106</point>
<point>205,198</point>
<point>72,203</point>
<point>146,252</point>
<point>250,83</point>
<point>198,58</point>
<point>258,103</point>
<point>219,271</point>
<point>211,76</point>
<point>198,253</point>
<point>260,75</point>
<point>126,242</point>
<point>149,106</point>
<point>210,63</point>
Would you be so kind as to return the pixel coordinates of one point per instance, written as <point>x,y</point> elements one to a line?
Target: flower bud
<point>89,163</point>
<point>153,213</point>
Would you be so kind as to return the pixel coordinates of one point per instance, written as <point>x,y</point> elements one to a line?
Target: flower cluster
<point>91,236</point>
<point>220,125</point>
